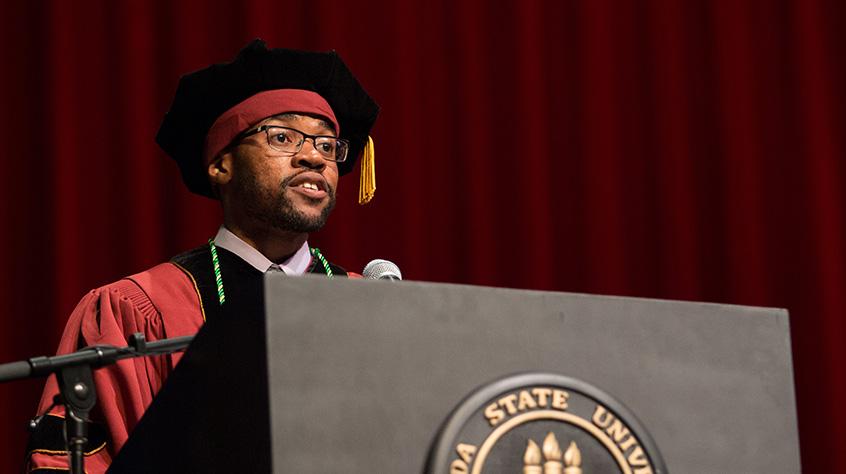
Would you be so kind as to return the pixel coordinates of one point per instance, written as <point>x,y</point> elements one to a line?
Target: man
<point>268,135</point>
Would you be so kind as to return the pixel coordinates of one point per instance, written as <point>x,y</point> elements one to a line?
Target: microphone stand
<point>77,393</point>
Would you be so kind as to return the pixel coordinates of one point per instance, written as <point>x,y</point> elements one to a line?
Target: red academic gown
<point>170,300</point>
<point>108,315</point>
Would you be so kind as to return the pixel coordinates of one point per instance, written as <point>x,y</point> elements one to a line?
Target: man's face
<point>283,191</point>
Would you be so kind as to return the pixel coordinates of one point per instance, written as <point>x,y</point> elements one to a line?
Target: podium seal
<point>538,423</point>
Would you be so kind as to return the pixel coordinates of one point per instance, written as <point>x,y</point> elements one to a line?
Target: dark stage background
<point>672,149</point>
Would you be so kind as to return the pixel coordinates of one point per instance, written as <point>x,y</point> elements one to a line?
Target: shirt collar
<point>297,264</point>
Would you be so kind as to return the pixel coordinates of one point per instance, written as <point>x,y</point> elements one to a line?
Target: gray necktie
<point>274,268</point>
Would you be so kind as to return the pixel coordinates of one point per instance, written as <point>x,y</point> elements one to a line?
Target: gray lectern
<point>368,376</point>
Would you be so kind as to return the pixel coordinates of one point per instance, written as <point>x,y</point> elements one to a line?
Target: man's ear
<point>220,169</point>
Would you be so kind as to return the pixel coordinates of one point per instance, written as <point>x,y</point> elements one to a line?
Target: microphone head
<point>381,270</point>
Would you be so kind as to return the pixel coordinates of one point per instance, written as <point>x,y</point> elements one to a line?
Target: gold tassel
<point>367,180</point>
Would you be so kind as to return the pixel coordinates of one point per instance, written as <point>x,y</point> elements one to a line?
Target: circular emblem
<point>542,424</point>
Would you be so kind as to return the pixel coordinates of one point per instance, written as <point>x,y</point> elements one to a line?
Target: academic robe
<point>170,300</point>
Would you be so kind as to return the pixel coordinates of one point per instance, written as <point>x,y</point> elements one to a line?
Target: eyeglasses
<point>289,140</point>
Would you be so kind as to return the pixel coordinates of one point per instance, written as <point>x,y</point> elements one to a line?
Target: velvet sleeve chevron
<point>46,451</point>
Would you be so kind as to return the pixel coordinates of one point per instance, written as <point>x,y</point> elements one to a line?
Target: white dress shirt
<point>297,264</point>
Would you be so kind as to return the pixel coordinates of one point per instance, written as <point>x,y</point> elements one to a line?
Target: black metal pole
<point>76,430</point>
<point>76,387</point>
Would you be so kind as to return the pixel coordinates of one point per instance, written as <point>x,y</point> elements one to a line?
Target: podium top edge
<point>530,291</point>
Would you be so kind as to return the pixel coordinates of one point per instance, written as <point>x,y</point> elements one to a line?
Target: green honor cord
<point>218,277</point>
<point>315,252</point>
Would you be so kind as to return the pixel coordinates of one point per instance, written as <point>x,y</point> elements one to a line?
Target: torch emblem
<point>553,461</point>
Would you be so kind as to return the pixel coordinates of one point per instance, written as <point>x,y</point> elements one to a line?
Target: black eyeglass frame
<point>265,128</point>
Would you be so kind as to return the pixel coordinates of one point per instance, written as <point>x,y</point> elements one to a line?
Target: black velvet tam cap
<point>204,95</point>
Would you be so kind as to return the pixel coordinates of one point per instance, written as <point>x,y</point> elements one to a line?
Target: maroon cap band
<point>259,107</point>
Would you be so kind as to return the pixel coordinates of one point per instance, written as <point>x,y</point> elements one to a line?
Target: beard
<point>273,208</point>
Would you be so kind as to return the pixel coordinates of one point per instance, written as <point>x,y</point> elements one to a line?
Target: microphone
<point>381,270</point>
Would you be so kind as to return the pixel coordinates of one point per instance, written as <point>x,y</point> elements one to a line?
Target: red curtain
<point>688,150</point>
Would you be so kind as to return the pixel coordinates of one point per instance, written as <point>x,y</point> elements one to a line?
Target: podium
<point>355,376</point>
